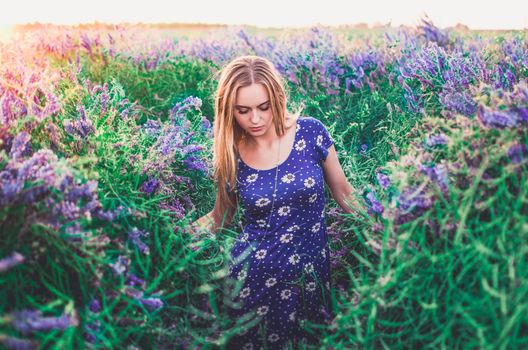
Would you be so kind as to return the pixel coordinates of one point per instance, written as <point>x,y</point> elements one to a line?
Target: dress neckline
<point>297,127</point>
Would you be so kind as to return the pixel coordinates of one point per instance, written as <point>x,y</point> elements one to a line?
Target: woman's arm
<point>214,220</point>
<point>342,191</point>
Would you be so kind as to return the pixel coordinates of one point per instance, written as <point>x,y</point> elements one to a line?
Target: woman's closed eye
<point>245,111</point>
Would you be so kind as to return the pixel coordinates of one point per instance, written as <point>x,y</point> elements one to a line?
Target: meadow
<point>106,157</point>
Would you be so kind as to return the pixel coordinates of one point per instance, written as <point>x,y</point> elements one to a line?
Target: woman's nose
<point>255,117</point>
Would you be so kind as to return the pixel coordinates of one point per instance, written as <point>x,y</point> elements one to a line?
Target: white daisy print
<point>261,223</point>
<point>309,268</point>
<point>261,202</point>
<point>327,284</point>
<point>286,238</point>
<point>285,294</point>
<point>262,310</point>
<point>248,346</point>
<point>293,228</point>
<point>292,316</point>
<point>323,252</point>
<point>297,127</point>
<point>245,292</point>
<point>288,178</point>
<point>316,227</point>
<point>294,259</point>
<point>284,210</point>
<point>270,282</point>
<point>252,177</point>
<point>309,182</point>
<point>300,145</point>
<point>273,337</point>
<point>313,198</point>
<point>245,237</point>
<point>310,286</point>
<point>319,140</point>
<point>261,254</point>
<point>242,274</point>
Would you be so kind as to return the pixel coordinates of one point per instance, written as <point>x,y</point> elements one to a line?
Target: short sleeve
<point>323,140</point>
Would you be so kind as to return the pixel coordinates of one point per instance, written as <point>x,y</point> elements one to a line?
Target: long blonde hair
<point>240,72</point>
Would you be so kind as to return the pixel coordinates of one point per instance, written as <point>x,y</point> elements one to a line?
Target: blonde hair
<point>240,72</point>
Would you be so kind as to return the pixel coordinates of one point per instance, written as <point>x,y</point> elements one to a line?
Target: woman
<point>278,163</point>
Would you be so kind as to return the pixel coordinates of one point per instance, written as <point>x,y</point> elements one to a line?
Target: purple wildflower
<point>133,280</point>
<point>121,265</point>
<point>150,186</point>
<point>10,261</point>
<point>21,146</point>
<point>152,304</point>
<point>517,153</point>
<point>95,306</point>
<point>496,119</point>
<point>376,206</point>
<point>134,236</point>
<point>18,344</point>
<point>383,180</point>
<point>28,321</point>
<point>435,140</point>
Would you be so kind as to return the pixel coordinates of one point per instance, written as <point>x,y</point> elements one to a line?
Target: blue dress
<point>283,264</point>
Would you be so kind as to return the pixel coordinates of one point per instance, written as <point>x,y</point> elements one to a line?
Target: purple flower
<point>196,163</point>
<point>28,321</point>
<point>95,306</point>
<point>364,148</point>
<point>150,186</point>
<point>10,261</point>
<point>152,304</point>
<point>376,206</point>
<point>134,236</point>
<point>517,153</point>
<point>495,118</point>
<point>120,267</point>
<point>133,280</point>
<point>383,180</point>
<point>21,146</point>
<point>435,140</point>
<point>411,204</point>
<point>18,344</point>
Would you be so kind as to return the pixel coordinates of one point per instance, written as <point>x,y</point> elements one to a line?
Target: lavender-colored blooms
<point>363,149</point>
<point>437,173</point>
<point>518,153</point>
<point>436,140</point>
<point>152,128</point>
<point>95,306</point>
<point>133,280</point>
<point>21,146</point>
<point>18,344</point>
<point>383,180</point>
<point>152,304</point>
<point>411,204</point>
<point>134,236</point>
<point>496,119</point>
<point>180,107</point>
<point>28,321</point>
<point>8,262</point>
<point>375,205</point>
<point>196,164</point>
<point>150,186</point>
<point>434,34</point>
<point>120,267</point>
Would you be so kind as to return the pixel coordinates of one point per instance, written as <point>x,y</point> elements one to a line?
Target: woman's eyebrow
<point>239,106</point>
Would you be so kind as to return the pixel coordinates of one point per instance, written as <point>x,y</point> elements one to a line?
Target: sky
<point>477,14</point>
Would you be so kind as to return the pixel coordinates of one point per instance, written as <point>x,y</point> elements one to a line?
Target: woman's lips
<point>255,129</point>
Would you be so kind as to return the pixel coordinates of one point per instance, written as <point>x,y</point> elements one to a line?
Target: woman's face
<point>253,110</point>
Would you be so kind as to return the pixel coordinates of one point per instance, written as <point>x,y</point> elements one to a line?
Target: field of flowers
<point>105,156</point>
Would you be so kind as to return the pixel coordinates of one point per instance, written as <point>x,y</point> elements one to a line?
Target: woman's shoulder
<point>311,123</point>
